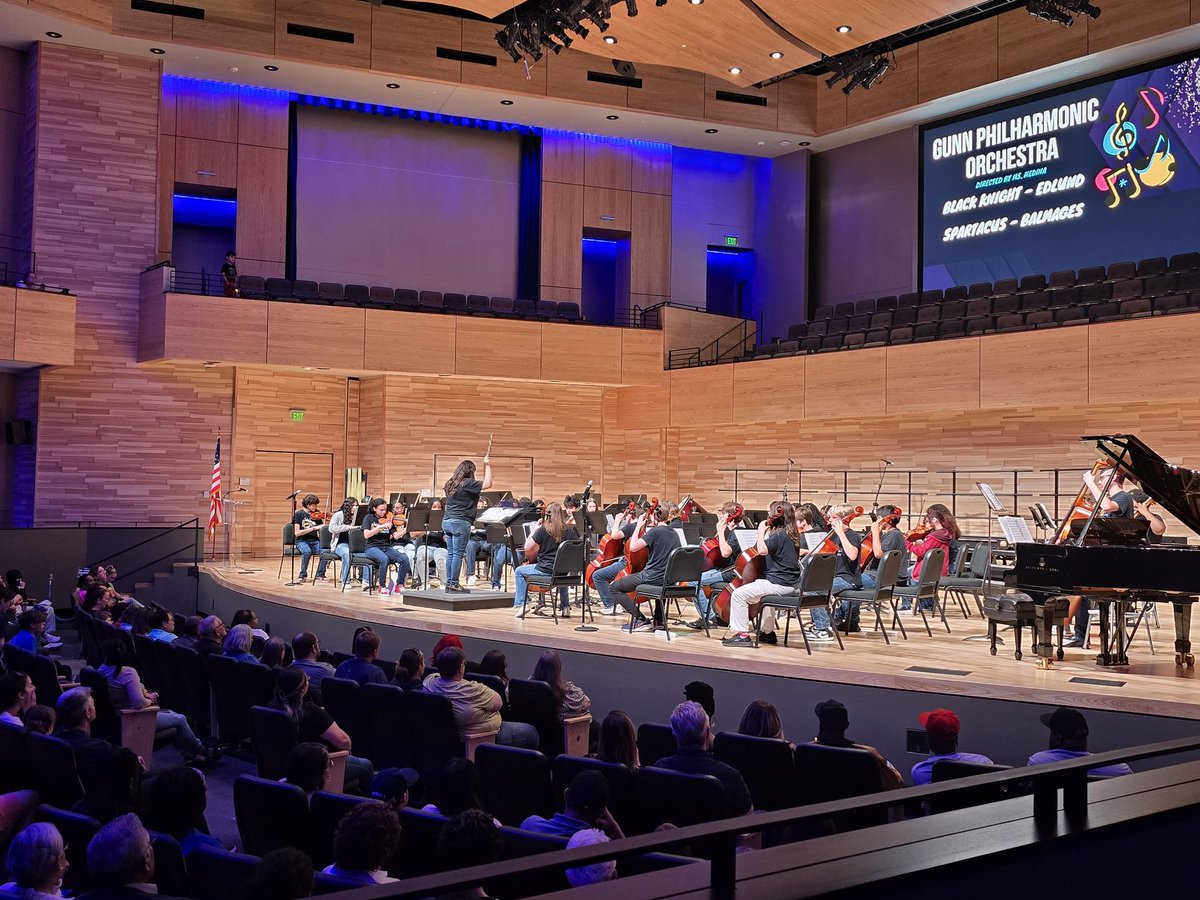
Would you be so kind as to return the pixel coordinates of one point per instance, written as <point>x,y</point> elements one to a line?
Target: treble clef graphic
<point>1121,137</point>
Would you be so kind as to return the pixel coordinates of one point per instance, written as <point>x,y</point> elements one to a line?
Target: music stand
<point>586,520</point>
<point>497,520</point>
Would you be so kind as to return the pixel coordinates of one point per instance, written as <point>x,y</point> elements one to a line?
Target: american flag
<point>214,494</point>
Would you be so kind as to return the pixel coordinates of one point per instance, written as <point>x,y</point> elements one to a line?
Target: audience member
<point>307,650</point>
<point>314,724</point>
<point>276,654</point>
<point>585,806</point>
<point>40,719</point>
<point>761,719</point>
<point>1069,740</point>
<point>125,687</point>
<point>120,861</point>
<point>568,698</point>
<point>308,767</point>
<point>37,861</point>
<point>187,632</point>
<point>410,670</point>
<point>17,694</point>
<point>476,706</point>
<point>692,730</point>
<point>361,667</point>
<point>249,617</point>
<point>392,786</point>
<point>95,758</point>
<point>15,582</point>
<point>282,874</point>
<point>212,633</point>
<point>178,798</point>
<point>162,625</point>
<point>593,873</point>
<point>364,842</point>
<point>32,625</point>
<point>701,692</point>
<point>469,839</point>
<point>834,720</point>
<point>495,663</point>
<point>446,640</point>
<point>942,727</point>
<point>458,787</point>
<point>16,808</point>
<point>238,642</point>
<point>618,740</point>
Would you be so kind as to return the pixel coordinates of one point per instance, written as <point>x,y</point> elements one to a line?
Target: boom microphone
<point>887,461</point>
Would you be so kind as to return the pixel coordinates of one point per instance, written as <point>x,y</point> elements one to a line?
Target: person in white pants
<point>780,542</point>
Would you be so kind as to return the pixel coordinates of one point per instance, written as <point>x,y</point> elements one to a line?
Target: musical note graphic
<point>1147,94</point>
<point>1121,136</point>
<point>1160,166</point>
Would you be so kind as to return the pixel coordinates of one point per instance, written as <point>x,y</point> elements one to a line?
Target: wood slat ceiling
<point>816,21</point>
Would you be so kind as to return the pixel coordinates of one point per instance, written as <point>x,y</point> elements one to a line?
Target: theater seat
<point>1107,312</point>
<point>843,309</point>
<point>1184,262</point>
<point>797,331</point>
<point>1012,322</point>
<point>810,343</point>
<point>430,301</point>
<point>1032,283</point>
<point>925,331</point>
<point>359,294</point>
<point>958,292</point>
<point>1136,308</point>
<point>884,304</point>
<point>547,309</point>
<point>479,305</point>
<point>1119,271</point>
<point>928,297</point>
<point>979,289</point>
<point>1158,286</point>
<point>1062,278</point>
<point>854,340</point>
<point>278,287</point>
<point>568,311</point>
<point>1039,318</point>
<point>1072,315</point>
<point>877,337</point>
<point>981,306</point>
<point>1090,275</point>
<point>455,303</point>
<point>864,307</point>
<point>1127,289</point>
<point>823,312</point>
<point>1004,287</point>
<point>252,286</point>
<point>503,307</point>
<point>787,348</point>
<point>406,298</point>
<point>330,292</point>
<point>978,325</point>
<point>306,291</point>
<point>905,301</point>
<point>1149,268</point>
<point>1003,306</point>
<point>524,309</point>
<point>1173,304</point>
<point>382,297</point>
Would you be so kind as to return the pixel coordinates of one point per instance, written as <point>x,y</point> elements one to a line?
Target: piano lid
<point>1173,487</point>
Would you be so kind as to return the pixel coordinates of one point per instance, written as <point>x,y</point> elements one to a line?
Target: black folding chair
<point>684,567</point>
<point>569,563</point>
<point>815,590</point>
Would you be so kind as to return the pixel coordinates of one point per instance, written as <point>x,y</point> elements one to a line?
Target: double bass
<point>1083,505</point>
<point>749,566</point>
<point>610,550</point>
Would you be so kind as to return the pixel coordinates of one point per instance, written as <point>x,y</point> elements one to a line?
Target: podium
<point>234,511</point>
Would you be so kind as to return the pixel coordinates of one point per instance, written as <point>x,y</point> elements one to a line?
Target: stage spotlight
<point>631,7</point>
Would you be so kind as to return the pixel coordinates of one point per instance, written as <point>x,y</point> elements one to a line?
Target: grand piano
<point>1110,561</point>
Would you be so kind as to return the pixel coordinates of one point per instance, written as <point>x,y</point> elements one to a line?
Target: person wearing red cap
<point>942,727</point>
<point>1069,740</point>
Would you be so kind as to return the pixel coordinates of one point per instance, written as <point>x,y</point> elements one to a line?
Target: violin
<point>610,550</point>
<point>319,515</point>
<point>711,547</point>
<point>866,549</point>
<point>831,544</point>
<point>918,533</point>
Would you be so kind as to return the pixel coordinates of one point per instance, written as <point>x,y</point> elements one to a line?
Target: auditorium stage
<point>943,665</point>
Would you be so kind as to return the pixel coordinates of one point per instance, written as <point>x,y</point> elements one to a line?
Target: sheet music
<point>530,528</point>
<point>990,496</point>
<point>746,537</point>
<point>1015,529</point>
<point>682,537</point>
<point>814,539</point>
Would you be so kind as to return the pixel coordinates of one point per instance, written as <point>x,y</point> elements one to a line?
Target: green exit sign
<point>297,415</point>
<point>731,240</point>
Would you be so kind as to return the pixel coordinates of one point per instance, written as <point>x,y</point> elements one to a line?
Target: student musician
<point>462,496</point>
<point>780,540</point>
<point>339,534</point>
<point>307,526</point>
<point>1141,510</point>
<point>943,533</point>
<point>1118,502</point>
<point>846,576</point>
<point>624,527</point>
<point>659,540</point>
<point>543,545</point>
<point>885,537</point>
<point>377,529</point>
<point>729,548</point>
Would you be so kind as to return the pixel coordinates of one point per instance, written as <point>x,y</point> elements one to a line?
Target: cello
<point>610,550</point>
<point>866,549</point>
<point>749,566</point>
<point>711,547</point>
<point>635,560</point>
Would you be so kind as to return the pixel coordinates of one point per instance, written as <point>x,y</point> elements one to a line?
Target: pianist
<point>1069,740</point>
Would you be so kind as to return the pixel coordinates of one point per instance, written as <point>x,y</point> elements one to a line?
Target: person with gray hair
<point>593,873</point>
<point>37,861</point>
<point>238,642</point>
<point>120,860</point>
<point>693,736</point>
<point>212,634</point>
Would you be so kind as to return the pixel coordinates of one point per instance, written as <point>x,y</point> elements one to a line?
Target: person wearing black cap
<point>1069,740</point>
<point>834,720</point>
<point>586,802</point>
<point>392,786</point>
<point>702,693</point>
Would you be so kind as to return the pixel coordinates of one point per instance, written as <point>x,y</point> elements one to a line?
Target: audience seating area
<point>331,293</point>
<point>1124,290</point>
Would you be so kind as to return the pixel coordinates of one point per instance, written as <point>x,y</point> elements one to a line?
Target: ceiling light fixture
<point>1061,12</point>
<point>859,68</point>
<point>804,144</point>
<point>735,70</point>
<point>271,68</point>
<point>695,2</point>
<point>844,29</point>
<point>157,51</point>
<point>612,118</point>
<point>710,130</point>
<point>393,86</point>
<point>540,26</point>
<point>53,34</point>
<point>506,103</point>
<point>609,39</point>
<point>776,54</point>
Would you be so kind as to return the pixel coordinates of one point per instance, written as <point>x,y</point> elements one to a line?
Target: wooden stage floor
<point>944,663</point>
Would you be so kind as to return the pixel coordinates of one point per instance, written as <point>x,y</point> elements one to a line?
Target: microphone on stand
<point>587,492</point>
<point>885,461</point>
<point>292,496</point>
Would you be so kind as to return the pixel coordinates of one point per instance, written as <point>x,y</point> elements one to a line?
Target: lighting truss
<point>541,26</point>
<point>1062,12</point>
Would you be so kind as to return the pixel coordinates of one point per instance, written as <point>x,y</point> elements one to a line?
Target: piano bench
<point>1020,610</point>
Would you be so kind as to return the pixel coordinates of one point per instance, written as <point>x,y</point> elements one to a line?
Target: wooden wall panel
<point>8,322</point>
<point>262,118</point>
<point>642,356</point>
<point>637,408</point>
<point>607,164</point>
<point>376,431</point>
<point>562,157</point>
<point>832,108</point>
<point>897,91</point>
<point>701,396</point>
<point>246,25</point>
<point>958,60</point>
<point>652,169</point>
<point>606,208</point>
<point>213,328</point>
<point>566,77</point>
<point>580,353</point>
<point>295,329</point>
<point>405,41</point>
<point>139,24</point>
<point>1126,21</point>
<point>506,75</point>
<point>735,113</point>
<point>207,163</point>
<point>1022,369</point>
<point>1143,358</point>
<point>684,328</point>
<point>206,111</point>
<point>767,391</point>
<point>798,104</point>
<point>922,377</point>
<point>827,375</point>
<point>502,348</point>
<point>262,203</point>
<point>650,245</point>
<point>411,342</point>
<point>354,18</point>
<point>95,13</point>
<point>166,194</point>
<point>1027,44</point>
<point>562,230</point>
<point>44,329</point>
<point>675,92</point>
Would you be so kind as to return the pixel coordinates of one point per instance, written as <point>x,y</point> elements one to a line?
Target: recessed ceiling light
<point>609,39</point>
<point>710,130</point>
<point>393,86</point>
<point>735,70</point>
<point>612,118</point>
<point>844,29</point>
<point>776,54</point>
<point>785,143</point>
<point>804,144</point>
<point>158,51</point>
<point>53,34</point>
<point>762,143</point>
<point>506,103</point>
<point>271,68</point>
<point>234,69</point>
<point>695,2</point>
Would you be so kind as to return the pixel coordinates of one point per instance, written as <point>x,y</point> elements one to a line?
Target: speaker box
<point>18,431</point>
<point>625,68</point>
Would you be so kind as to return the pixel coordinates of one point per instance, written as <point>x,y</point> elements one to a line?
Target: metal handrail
<point>195,546</point>
<point>1045,782</point>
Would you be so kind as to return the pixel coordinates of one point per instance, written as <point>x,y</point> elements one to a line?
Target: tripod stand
<point>295,540</point>
<point>586,609</point>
